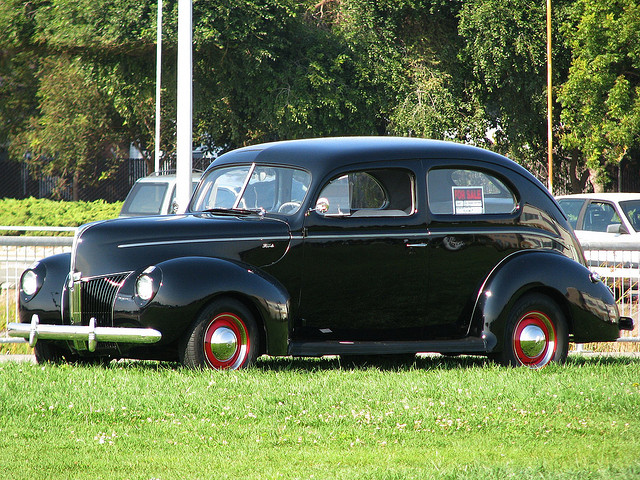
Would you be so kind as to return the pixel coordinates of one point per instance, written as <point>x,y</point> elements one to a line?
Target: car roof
<point>153,177</point>
<point>612,197</point>
<point>325,154</point>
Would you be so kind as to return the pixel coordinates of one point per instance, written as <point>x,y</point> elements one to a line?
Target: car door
<point>472,227</point>
<point>601,222</point>
<point>362,280</point>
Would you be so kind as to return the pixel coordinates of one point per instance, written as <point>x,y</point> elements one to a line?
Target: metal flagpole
<point>184,105</point>
<point>158,85</point>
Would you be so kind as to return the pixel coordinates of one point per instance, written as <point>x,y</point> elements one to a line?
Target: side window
<point>571,208</point>
<point>598,216</point>
<point>467,192</point>
<point>371,193</point>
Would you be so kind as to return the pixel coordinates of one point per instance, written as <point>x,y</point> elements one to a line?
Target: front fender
<point>48,302</point>
<point>189,283</point>
<point>588,304</point>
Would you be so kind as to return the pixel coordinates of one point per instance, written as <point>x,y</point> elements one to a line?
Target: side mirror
<point>617,228</point>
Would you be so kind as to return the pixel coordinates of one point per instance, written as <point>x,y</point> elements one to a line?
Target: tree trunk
<point>598,186</point>
<point>75,186</point>
<point>578,182</point>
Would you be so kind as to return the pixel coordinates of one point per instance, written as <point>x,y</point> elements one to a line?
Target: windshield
<point>631,209</point>
<point>252,187</point>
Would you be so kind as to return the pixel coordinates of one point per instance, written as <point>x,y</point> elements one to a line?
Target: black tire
<point>536,333</point>
<point>225,336</point>
<point>47,351</point>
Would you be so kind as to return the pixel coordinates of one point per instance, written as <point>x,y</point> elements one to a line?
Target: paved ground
<point>17,358</point>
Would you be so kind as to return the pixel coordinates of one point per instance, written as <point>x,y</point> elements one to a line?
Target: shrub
<point>50,213</point>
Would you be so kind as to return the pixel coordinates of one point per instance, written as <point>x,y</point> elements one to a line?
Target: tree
<point>601,97</point>
<point>76,126</point>
<point>82,76</point>
<point>505,45</point>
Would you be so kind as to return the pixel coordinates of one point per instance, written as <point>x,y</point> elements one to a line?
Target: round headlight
<point>29,283</point>
<point>144,287</point>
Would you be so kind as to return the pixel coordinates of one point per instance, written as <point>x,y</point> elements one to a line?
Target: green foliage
<point>78,76</point>
<point>75,125</point>
<point>49,213</point>
<point>315,418</point>
<point>601,97</point>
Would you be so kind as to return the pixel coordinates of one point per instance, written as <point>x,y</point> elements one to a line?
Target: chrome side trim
<point>206,240</point>
<point>428,233</point>
<point>524,231</point>
<point>368,235</point>
<point>91,334</point>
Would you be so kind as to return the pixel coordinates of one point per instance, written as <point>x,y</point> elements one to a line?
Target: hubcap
<point>226,342</point>
<point>534,340</point>
<point>223,344</point>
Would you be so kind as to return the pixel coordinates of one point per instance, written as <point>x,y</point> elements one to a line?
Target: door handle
<point>416,245</point>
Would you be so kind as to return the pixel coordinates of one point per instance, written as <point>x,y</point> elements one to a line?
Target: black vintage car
<point>337,246</point>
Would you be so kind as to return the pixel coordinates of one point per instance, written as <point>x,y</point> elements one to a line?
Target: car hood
<point>130,244</point>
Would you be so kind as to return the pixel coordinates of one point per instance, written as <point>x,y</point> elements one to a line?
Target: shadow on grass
<point>389,363</point>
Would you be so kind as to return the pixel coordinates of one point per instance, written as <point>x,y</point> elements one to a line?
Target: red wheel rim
<point>226,342</point>
<point>534,340</point>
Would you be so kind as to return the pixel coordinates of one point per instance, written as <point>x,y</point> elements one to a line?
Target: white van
<point>154,194</point>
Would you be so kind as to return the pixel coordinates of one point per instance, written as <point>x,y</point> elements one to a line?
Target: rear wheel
<point>225,336</point>
<point>536,333</point>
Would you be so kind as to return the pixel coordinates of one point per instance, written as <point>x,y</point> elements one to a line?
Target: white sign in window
<point>468,200</point>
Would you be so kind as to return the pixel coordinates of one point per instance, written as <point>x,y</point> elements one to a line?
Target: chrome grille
<point>94,298</point>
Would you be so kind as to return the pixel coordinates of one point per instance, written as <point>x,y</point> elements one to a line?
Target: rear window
<point>457,191</point>
<point>145,199</point>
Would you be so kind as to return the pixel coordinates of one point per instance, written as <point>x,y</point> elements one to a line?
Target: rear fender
<point>588,304</point>
<point>190,283</point>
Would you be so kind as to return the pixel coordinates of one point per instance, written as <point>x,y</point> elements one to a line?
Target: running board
<point>333,347</point>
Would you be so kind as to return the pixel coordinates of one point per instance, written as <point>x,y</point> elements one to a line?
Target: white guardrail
<point>17,253</point>
<point>617,264</point>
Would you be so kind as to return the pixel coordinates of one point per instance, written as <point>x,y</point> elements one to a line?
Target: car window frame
<point>256,164</point>
<point>411,173</point>
<point>609,203</point>
<point>496,173</point>
<point>580,217</point>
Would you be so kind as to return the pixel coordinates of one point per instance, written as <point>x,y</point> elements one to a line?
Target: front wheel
<point>536,333</point>
<point>47,351</point>
<point>225,336</point>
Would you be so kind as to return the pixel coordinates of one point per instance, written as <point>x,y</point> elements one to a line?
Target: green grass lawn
<point>289,418</point>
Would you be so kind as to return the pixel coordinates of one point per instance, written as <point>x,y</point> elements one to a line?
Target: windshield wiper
<point>236,211</point>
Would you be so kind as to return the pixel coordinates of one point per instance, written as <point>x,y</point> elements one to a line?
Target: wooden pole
<point>549,100</point>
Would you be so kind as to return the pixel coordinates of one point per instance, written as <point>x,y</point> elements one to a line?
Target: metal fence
<point>618,264</point>
<point>619,268</point>
<point>16,254</point>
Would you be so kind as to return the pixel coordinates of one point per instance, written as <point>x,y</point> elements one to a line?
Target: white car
<point>154,194</point>
<point>608,228</point>
<point>603,217</point>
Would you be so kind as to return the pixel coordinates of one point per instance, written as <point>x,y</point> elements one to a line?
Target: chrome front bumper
<point>91,334</point>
